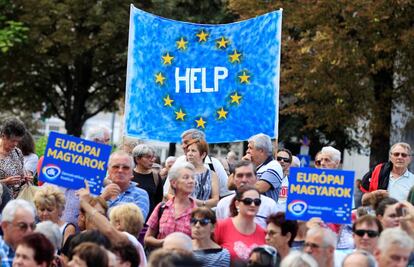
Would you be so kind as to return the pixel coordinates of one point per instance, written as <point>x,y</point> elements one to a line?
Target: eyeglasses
<point>24,226</point>
<point>203,222</point>
<point>312,245</point>
<point>287,160</point>
<point>370,233</point>
<point>397,154</point>
<point>122,167</point>
<point>318,163</point>
<point>248,201</point>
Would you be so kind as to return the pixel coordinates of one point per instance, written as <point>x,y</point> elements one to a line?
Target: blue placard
<point>322,193</point>
<point>217,78</point>
<point>304,160</point>
<point>69,160</point>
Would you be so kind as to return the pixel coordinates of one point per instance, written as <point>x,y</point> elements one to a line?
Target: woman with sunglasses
<point>239,233</point>
<point>203,221</point>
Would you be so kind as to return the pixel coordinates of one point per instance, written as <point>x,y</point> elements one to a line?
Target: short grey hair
<point>12,206</point>
<point>184,241</point>
<point>120,153</point>
<point>329,237</point>
<point>333,152</point>
<point>394,236</point>
<point>298,258</point>
<point>195,134</point>
<point>368,256</point>
<point>142,150</point>
<point>262,141</point>
<point>174,172</point>
<point>404,145</point>
<point>51,231</point>
<point>97,132</point>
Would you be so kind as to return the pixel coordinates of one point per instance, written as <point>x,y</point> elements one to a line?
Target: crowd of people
<point>197,210</point>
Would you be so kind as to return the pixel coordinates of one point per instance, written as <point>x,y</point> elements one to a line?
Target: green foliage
<point>40,146</point>
<point>344,64</point>
<point>11,32</point>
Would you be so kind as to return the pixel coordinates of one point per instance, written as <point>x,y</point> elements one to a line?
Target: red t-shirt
<point>239,245</point>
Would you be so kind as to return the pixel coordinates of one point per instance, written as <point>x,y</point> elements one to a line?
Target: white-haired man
<point>99,134</point>
<point>330,158</point>
<point>394,248</point>
<point>269,172</point>
<point>393,177</point>
<point>210,162</point>
<point>18,220</point>
<point>122,189</point>
<point>320,242</point>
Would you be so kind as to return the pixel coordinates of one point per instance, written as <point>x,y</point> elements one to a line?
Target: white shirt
<point>268,206</point>
<point>283,192</point>
<point>399,187</point>
<point>218,169</point>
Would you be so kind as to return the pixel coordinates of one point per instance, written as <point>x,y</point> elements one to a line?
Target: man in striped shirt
<point>268,171</point>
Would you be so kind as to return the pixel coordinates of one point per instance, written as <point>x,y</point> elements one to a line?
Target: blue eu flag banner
<point>221,79</point>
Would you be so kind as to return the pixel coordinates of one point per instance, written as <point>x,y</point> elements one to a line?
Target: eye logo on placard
<point>297,207</point>
<point>51,171</point>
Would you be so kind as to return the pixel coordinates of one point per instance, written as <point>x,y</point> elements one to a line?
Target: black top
<point>155,192</point>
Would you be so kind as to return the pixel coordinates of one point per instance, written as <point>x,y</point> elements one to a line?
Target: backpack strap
<point>373,185</point>
<point>156,178</point>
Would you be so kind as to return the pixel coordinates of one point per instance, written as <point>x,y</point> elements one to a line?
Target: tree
<point>11,31</point>
<point>346,66</point>
<point>73,64</point>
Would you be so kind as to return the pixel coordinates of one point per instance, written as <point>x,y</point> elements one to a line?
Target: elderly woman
<point>206,250</point>
<point>175,214</point>
<point>34,250</point>
<point>239,233</point>
<point>12,173</point>
<point>280,233</point>
<point>144,175</point>
<point>206,192</point>
<point>50,203</point>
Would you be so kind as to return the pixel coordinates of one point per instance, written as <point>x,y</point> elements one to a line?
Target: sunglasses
<point>203,222</point>
<point>248,201</point>
<point>24,226</point>
<point>287,160</point>
<point>397,154</point>
<point>370,233</point>
<point>122,167</point>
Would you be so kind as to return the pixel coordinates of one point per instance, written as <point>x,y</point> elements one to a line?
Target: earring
<point>238,209</point>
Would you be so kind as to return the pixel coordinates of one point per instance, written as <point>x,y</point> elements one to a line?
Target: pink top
<point>239,245</point>
<point>169,223</point>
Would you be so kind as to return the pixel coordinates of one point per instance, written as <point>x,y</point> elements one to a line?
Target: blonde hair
<point>129,216</point>
<point>49,196</point>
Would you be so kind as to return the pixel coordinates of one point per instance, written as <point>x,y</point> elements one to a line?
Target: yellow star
<point>235,98</point>
<point>235,57</point>
<point>167,59</point>
<point>244,78</point>
<point>159,78</point>
<point>180,115</point>
<point>182,44</point>
<point>222,43</point>
<point>202,36</point>
<point>201,123</point>
<point>168,101</point>
<point>222,113</point>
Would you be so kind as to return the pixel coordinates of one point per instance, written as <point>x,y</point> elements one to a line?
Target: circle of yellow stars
<point>235,57</point>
